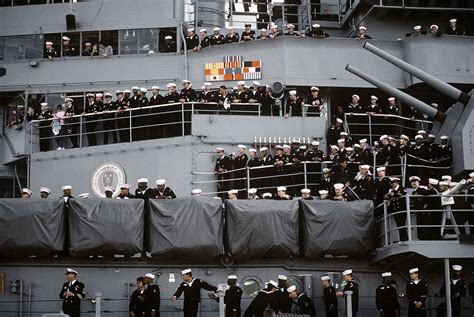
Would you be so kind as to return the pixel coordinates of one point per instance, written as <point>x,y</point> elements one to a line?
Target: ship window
<point>292,280</point>
<point>251,286</point>
<point>56,39</point>
<point>128,42</point>
<point>33,46</point>
<point>93,39</point>
<point>148,40</point>
<point>74,44</point>
<point>14,47</point>
<point>110,39</point>
<point>163,33</point>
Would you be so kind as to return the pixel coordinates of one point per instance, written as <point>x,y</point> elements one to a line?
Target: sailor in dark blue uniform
<point>265,299</point>
<point>72,293</point>
<point>248,34</point>
<point>204,39</point>
<point>416,292</point>
<point>192,40</point>
<point>151,303</point>
<point>458,291</point>
<point>294,105</point>
<point>454,28</point>
<point>232,297</point>
<point>136,305</point>
<point>191,288</point>
<point>304,304</point>
<point>125,192</point>
<point>349,284</point>
<point>216,38</point>
<point>329,295</point>
<point>386,297</point>
<point>281,295</point>
<point>92,107</point>
<point>162,191</point>
<point>143,191</point>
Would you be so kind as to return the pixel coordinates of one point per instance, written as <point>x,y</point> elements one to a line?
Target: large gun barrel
<point>428,79</point>
<point>406,98</point>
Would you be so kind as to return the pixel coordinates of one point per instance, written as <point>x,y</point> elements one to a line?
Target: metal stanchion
<point>98,299</point>
<point>248,177</point>
<point>305,175</point>
<point>385,221</point>
<point>407,198</point>
<point>349,302</point>
<point>80,132</point>
<point>447,283</point>
<point>130,126</point>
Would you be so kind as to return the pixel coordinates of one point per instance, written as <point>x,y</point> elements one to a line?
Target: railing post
<point>98,299</point>
<point>404,169</point>
<point>248,177</point>
<point>407,202</point>
<point>370,130</point>
<point>349,302</point>
<point>447,282</point>
<point>385,222</point>
<point>182,118</point>
<point>80,132</point>
<point>31,138</point>
<point>130,126</point>
<point>305,175</point>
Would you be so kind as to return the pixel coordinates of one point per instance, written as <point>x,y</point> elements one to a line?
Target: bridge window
<point>15,47</point>
<point>128,42</point>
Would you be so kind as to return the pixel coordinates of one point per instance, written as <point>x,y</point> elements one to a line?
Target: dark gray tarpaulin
<point>262,228</point>
<point>106,226</point>
<point>31,227</point>
<point>337,228</point>
<point>188,228</point>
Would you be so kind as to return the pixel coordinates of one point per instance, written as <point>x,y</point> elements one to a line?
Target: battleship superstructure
<point>136,31</point>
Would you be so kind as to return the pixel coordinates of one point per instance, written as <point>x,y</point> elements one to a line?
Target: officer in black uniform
<point>304,305</point>
<point>91,108</point>
<point>223,166</point>
<point>143,191</point>
<point>44,126</point>
<point>329,295</point>
<point>216,38</point>
<point>349,284</point>
<point>191,287</point>
<point>458,291</point>
<point>72,293</point>
<point>151,304</point>
<point>248,34</point>
<point>192,40</point>
<point>284,302</point>
<point>232,297</point>
<point>416,292</point>
<point>204,39</point>
<point>123,116</point>
<point>294,105</point>
<point>232,36</point>
<point>386,297</point>
<point>125,192</point>
<point>136,306</point>
<point>396,203</point>
<point>71,124</point>
<point>265,299</point>
<point>109,118</point>
<point>162,191</point>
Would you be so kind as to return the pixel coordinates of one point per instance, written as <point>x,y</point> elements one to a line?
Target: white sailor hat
<point>150,275</point>
<point>316,25</point>
<point>265,195</point>
<point>65,38</point>
<point>155,87</point>
<point>344,133</point>
<point>160,181</point>
<point>282,277</point>
<point>187,81</point>
<point>272,282</point>
<point>417,27</point>
<point>123,186</point>
<point>142,180</point>
<point>433,181</point>
<point>191,30</point>
<point>364,140</point>
<point>350,149</point>
<point>186,271</point>
<point>196,191</point>
<point>453,20</point>
<point>241,83</point>
<point>326,170</point>
<point>290,289</point>
<point>386,274</point>
<point>281,188</point>
<point>207,83</point>
<point>394,179</point>
<point>347,272</point>
<point>292,92</point>
<point>434,26</point>
<point>107,94</point>
<point>118,92</point>
<point>89,95</point>
<point>83,195</point>
<point>338,186</point>
<point>232,277</point>
<point>325,278</point>
<point>391,99</point>
<point>135,88</point>
<point>365,166</point>
<point>263,29</point>
<point>356,96</point>
<point>443,183</point>
<point>220,149</point>
<point>241,146</point>
<point>306,191</point>
<point>335,147</point>
<point>66,187</point>
<point>418,136</point>
<point>143,89</point>
<point>256,83</point>
<point>446,178</point>
<point>374,97</point>
<point>303,147</point>
<point>289,25</point>
<point>253,150</point>
<point>471,174</point>
<point>413,270</point>
<point>383,137</point>
<point>457,267</point>
<point>216,29</point>
<point>421,132</point>
<point>379,169</point>
<point>339,120</point>
<point>323,192</point>
<point>403,136</point>
<point>170,85</point>
<point>43,104</point>
<point>414,178</point>
<point>26,191</point>
<point>45,190</point>
<point>273,26</point>
<point>444,137</point>
<point>203,30</point>
<point>252,191</point>
<point>109,189</point>
<point>314,88</point>
<point>100,95</point>
<point>127,91</point>
<point>168,37</point>
<point>341,140</point>
<point>357,146</point>
<point>263,149</point>
<point>70,271</point>
<point>362,28</point>
<point>286,146</point>
<point>49,43</point>
<point>233,191</point>
<point>315,143</point>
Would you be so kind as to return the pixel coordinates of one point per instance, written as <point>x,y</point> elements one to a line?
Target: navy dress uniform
<point>91,120</point>
<point>386,298</point>
<point>458,291</point>
<point>223,165</point>
<point>232,297</point>
<point>123,116</point>
<point>281,295</point>
<point>352,285</point>
<point>192,294</point>
<point>330,298</point>
<point>231,37</point>
<point>44,126</point>
<point>162,191</point>
<point>151,303</point>
<point>109,118</point>
<point>145,192</point>
<point>136,304</point>
<point>303,304</point>
<point>416,292</point>
<point>72,293</point>
<point>192,40</point>
<point>265,299</point>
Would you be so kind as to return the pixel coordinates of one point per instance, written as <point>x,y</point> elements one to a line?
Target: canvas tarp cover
<point>188,228</point>
<point>262,228</point>
<point>31,227</point>
<point>337,228</point>
<point>106,226</point>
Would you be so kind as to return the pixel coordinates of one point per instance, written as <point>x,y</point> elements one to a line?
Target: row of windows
<point>118,42</point>
<point>11,3</point>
